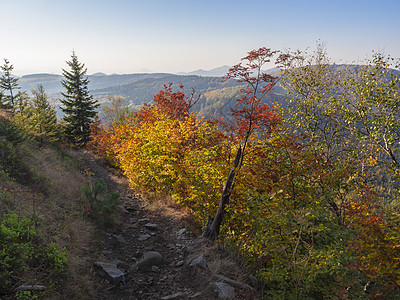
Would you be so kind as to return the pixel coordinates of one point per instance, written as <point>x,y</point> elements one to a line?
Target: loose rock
<point>144,237</point>
<point>180,263</point>
<point>23,288</point>
<point>224,290</point>
<point>110,272</point>
<point>151,226</point>
<point>117,239</point>
<point>233,282</point>
<point>150,259</point>
<point>181,232</point>
<point>199,261</point>
<point>179,295</point>
<point>144,220</point>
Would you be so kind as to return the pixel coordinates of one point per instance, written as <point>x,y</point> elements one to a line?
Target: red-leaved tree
<point>250,115</point>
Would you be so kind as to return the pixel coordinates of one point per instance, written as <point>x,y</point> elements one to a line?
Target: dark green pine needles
<point>79,108</point>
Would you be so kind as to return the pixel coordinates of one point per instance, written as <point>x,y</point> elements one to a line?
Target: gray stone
<point>224,279</point>
<point>181,232</point>
<point>117,239</point>
<point>180,263</point>
<point>144,220</point>
<point>110,272</point>
<point>224,290</point>
<point>233,282</point>
<point>122,209</point>
<point>151,226</point>
<point>144,237</point>
<point>199,261</point>
<point>129,207</point>
<point>23,288</point>
<point>179,295</point>
<point>150,259</point>
<point>196,295</point>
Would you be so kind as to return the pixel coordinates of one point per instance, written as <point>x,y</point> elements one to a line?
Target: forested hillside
<point>52,82</point>
<point>307,193</point>
<point>216,96</point>
<point>295,172</point>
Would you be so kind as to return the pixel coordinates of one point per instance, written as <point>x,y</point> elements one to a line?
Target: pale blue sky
<point>122,36</point>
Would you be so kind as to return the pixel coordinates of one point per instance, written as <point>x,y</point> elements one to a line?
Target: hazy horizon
<point>125,37</point>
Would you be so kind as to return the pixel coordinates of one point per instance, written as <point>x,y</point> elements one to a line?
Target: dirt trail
<point>144,228</point>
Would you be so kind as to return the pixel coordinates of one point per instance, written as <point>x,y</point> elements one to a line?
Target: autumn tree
<point>250,115</point>
<point>115,110</point>
<point>349,117</point>
<point>78,105</point>
<point>370,103</point>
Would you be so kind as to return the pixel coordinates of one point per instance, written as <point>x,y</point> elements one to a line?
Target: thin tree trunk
<point>213,225</point>
<point>212,228</point>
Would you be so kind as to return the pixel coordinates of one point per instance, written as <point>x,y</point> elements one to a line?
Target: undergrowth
<point>45,237</point>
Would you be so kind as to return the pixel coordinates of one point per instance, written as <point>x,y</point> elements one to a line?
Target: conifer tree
<point>2,99</point>
<point>78,105</point>
<point>43,117</point>
<point>8,82</point>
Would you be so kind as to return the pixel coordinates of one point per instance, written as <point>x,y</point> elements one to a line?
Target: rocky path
<point>152,255</point>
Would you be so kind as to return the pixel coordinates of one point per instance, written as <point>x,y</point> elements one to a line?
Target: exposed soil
<point>172,238</point>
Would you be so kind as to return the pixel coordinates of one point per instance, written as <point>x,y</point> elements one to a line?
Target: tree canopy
<point>78,105</point>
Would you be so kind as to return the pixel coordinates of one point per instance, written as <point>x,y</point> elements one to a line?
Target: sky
<point>129,36</point>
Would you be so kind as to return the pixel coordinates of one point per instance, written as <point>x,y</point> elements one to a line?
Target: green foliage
<point>16,247</point>
<point>56,258</point>
<point>20,251</point>
<point>8,83</point>
<point>304,210</point>
<point>11,132</point>
<point>78,105</point>
<point>114,113</point>
<point>36,116</point>
<point>103,209</point>
<point>349,116</point>
<point>26,295</point>
<point>43,119</point>
<point>10,161</point>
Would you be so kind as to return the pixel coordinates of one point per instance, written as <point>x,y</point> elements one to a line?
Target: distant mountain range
<point>217,72</point>
<point>216,96</point>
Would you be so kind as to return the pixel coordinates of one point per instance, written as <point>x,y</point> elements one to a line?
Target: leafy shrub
<point>26,295</point>
<point>16,247</point>
<point>56,258</point>
<point>21,251</point>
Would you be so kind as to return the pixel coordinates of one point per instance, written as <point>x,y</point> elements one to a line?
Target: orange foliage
<point>376,238</point>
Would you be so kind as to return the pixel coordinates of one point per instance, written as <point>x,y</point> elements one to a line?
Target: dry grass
<point>56,205</point>
<point>164,205</point>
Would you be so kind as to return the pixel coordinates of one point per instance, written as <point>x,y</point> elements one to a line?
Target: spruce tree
<point>43,119</point>
<point>79,108</point>
<point>8,83</point>
<point>2,99</point>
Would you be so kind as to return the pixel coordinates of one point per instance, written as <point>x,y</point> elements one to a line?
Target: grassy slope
<point>53,200</point>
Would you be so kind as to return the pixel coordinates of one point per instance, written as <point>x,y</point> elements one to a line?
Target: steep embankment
<point>46,239</point>
<point>51,249</point>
